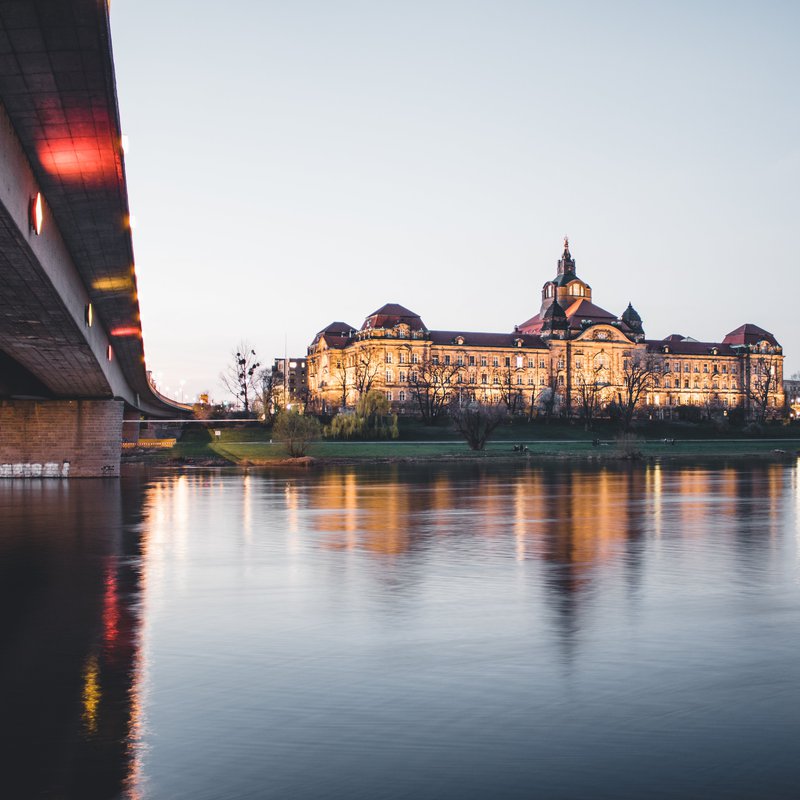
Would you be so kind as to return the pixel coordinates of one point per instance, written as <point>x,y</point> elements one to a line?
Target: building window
<point>578,363</point>
<point>495,379</point>
<point>388,358</point>
<point>483,378</point>
<point>460,378</point>
<point>667,383</point>
<point>402,397</point>
<point>560,380</point>
<point>483,361</point>
<point>541,363</point>
<point>519,380</point>
<point>530,363</point>
<point>733,369</point>
<point>686,366</point>
<point>724,369</point>
<point>519,362</point>
<point>541,380</point>
<point>389,396</point>
<point>472,361</point>
<point>435,360</point>
<point>666,366</point>
<point>625,363</point>
<point>696,368</point>
<point>495,362</point>
<point>402,376</point>
<point>530,380</point>
<point>705,367</point>
<point>389,376</point>
<point>686,384</point>
<point>473,378</point>
<point>412,377</point>
<point>402,358</point>
<point>415,358</point>
<point>508,361</point>
<point>460,361</point>
<point>561,363</point>
<point>447,361</point>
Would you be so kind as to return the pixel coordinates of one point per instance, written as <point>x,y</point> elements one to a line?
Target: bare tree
<point>510,391</point>
<point>367,364</point>
<point>590,388</point>
<point>268,399</point>
<point>240,376</point>
<point>430,383</point>
<point>763,384</point>
<point>638,372</point>
<point>476,421</point>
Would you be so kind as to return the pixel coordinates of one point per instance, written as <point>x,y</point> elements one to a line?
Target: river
<point>564,631</point>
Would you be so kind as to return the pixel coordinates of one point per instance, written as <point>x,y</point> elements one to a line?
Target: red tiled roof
<point>336,334</point>
<point>749,334</point>
<point>578,311</point>
<point>391,314</point>
<point>482,339</point>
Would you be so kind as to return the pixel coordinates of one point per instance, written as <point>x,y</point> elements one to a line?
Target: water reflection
<point>69,589</point>
<point>470,632</point>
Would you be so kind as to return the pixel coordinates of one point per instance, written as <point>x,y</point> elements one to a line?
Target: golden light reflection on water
<point>91,694</point>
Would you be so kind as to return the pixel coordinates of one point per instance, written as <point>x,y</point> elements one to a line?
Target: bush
<point>475,421</point>
<point>371,420</point>
<point>295,431</point>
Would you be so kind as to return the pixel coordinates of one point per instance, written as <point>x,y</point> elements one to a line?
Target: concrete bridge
<point>72,363</point>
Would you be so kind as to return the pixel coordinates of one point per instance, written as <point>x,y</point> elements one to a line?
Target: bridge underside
<point>71,353</point>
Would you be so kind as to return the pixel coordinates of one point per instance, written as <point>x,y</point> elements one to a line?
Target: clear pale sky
<point>295,163</point>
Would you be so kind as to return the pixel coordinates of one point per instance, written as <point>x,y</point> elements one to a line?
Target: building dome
<point>632,319</point>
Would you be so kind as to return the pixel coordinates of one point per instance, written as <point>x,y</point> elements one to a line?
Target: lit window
<point>519,362</point>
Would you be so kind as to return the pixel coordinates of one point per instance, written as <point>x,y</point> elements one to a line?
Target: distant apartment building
<point>571,346</point>
<point>291,380</point>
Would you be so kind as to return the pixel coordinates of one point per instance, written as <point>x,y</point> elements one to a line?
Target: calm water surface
<point>568,632</point>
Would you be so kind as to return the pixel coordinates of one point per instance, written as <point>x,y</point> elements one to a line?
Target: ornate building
<point>572,355</point>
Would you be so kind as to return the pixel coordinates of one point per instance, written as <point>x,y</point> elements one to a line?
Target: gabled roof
<point>482,339</point>
<point>749,334</point>
<point>391,314</point>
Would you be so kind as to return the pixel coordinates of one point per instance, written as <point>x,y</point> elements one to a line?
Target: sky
<point>292,164</point>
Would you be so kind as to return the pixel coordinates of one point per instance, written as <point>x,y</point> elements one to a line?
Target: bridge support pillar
<point>60,438</point>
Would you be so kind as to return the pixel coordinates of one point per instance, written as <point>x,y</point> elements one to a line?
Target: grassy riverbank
<point>264,452</point>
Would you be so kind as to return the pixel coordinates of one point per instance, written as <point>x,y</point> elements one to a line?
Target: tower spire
<point>566,263</point>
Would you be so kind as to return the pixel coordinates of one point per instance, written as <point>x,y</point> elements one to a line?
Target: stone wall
<point>60,438</point>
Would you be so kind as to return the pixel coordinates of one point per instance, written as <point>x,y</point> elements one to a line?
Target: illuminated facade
<point>571,352</point>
